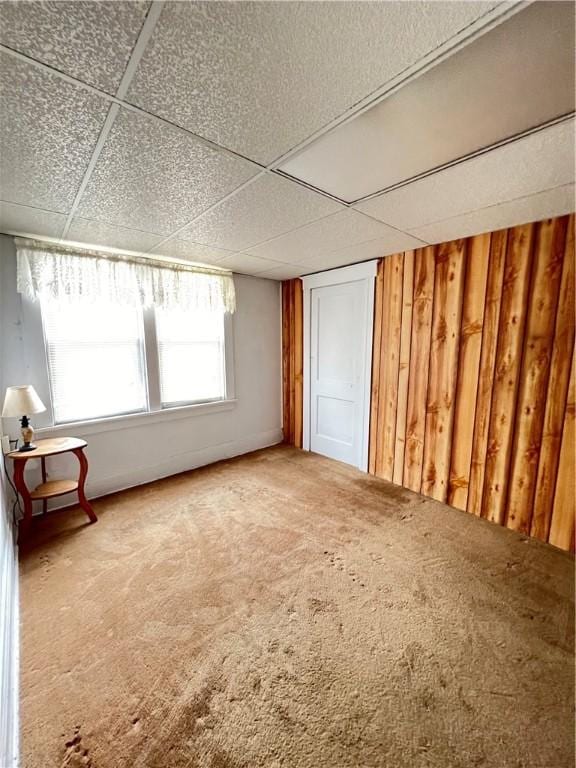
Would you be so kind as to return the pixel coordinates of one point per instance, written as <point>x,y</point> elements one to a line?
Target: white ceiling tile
<point>154,177</point>
<point>48,130</point>
<point>373,249</point>
<point>261,77</point>
<point>535,163</point>
<point>91,41</point>
<point>267,207</point>
<point>544,205</point>
<point>283,272</point>
<point>20,219</point>
<point>336,231</point>
<point>482,94</point>
<point>247,264</point>
<point>186,249</point>
<point>97,233</point>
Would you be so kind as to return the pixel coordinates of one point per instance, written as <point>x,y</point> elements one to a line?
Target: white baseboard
<point>9,653</point>
<point>96,486</point>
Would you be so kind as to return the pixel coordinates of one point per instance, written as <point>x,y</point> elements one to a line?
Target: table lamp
<point>23,401</point>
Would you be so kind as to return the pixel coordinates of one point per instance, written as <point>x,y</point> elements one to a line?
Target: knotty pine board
<point>473,398</point>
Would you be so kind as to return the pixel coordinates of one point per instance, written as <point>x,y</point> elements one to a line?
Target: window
<point>98,366</point>
<point>128,335</point>
<point>191,356</point>
<point>95,354</point>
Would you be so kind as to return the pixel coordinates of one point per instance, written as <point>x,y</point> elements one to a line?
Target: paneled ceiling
<point>279,139</point>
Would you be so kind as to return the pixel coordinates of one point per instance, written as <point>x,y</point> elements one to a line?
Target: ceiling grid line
<point>168,72</point>
<point>461,39</point>
<point>145,33</point>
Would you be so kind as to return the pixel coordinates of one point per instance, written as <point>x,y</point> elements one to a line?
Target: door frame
<point>366,273</point>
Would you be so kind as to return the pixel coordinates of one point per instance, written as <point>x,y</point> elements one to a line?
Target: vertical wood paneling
<point>513,312</point>
<point>286,341</point>
<point>292,361</point>
<point>556,395</point>
<point>472,375</point>
<point>404,367</point>
<point>298,363</point>
<point>538,343</point>
<point>477,263</point>
<point>563,513</point>
<point>383,365</point>
<point>486,373</point>
<point>389,365</point>
<point>448,285</point>
<point>424,265</point>
<point>377,344</point>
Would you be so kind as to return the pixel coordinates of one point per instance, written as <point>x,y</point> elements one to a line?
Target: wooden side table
<point>49,489</point>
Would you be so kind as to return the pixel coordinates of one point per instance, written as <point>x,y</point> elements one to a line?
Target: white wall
<point>8,609</point>
<point>143,448</point>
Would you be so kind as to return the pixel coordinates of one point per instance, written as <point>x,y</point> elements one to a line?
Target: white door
<point>340,341</point>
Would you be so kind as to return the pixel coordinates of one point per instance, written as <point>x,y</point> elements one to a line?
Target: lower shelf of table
<point>54,488</point>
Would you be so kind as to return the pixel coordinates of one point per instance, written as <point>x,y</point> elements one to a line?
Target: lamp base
<point>27,447</point>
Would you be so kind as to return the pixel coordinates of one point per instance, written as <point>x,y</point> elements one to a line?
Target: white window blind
<point>191,355</point>
<point>95,355</point>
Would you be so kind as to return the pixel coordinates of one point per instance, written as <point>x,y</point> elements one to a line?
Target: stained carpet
<point>285,610</point>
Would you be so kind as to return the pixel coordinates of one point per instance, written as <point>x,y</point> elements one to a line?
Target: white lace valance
<point>71,274</point>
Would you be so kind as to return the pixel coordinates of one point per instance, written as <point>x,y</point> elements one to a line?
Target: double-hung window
<point>191,353</point>
<point>96,363</point>
<point>128,338</point>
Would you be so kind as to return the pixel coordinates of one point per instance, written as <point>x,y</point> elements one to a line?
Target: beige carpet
<point>282,609</point>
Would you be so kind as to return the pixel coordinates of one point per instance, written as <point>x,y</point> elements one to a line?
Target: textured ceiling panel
<point>91,41</point>
<point>283,272</point>
<point>267,207</point>
<point>154,177</point>
<point>552,202</point>
<point>97,233</point>
<point>48,130</point>
<point>538,162</point>
<point>261,77</point>
<point>186,249</point>
<point>481,95</point>
<point>20,219</point>
<point>247,264</point>
<point>374,249</point>
<point>337,231</point>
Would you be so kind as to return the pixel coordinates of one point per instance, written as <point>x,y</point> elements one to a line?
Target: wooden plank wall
<point>473,398</point>
<point>473,376</point>
<point>292,361</point>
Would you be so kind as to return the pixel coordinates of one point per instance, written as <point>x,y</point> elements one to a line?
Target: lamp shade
<point>22,401</point>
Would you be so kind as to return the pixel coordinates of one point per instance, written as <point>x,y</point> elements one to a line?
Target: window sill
<point>126,421</point>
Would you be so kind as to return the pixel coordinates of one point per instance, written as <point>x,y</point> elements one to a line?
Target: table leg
<point>84,503</point>
<point>20,484</point>
<point>44,478</point>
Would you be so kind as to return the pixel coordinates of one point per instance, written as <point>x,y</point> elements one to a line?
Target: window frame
<point>152,356</point>
<point>151,377</point>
